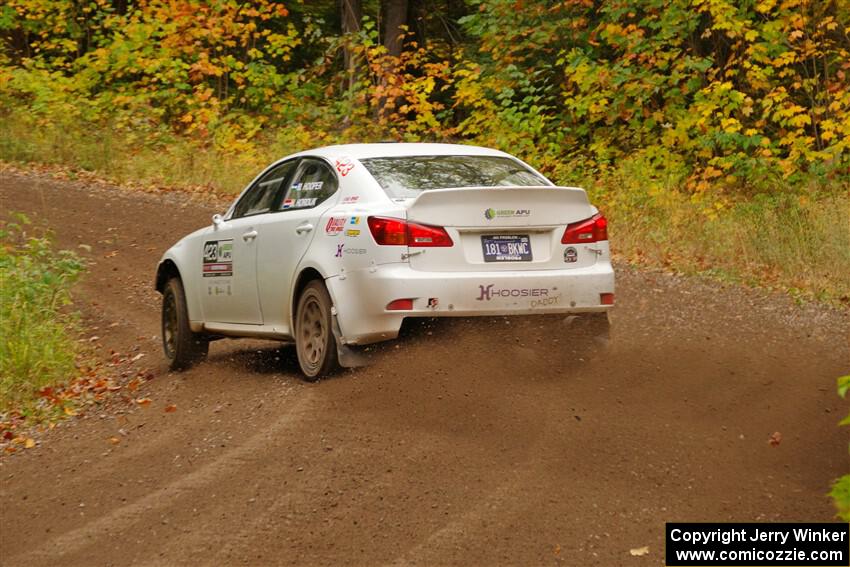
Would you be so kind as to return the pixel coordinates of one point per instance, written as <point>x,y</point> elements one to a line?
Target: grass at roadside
<point>797,241</point>
<point>799,244</point>
<point>38,345</point>
<point>155,158</point>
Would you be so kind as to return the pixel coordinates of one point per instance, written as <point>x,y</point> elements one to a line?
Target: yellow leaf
<point>70,411</point>
<point>29,443</point>
<point>765,6</point>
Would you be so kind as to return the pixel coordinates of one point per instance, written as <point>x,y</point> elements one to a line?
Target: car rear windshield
<point>404,177</point>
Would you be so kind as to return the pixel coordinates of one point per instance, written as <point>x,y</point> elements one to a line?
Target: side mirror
<point>217,220</point>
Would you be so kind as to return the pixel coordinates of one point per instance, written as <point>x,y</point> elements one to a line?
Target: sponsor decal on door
<point>218,258</point>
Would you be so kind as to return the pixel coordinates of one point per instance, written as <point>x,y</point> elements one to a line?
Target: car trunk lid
<point>500,228</point>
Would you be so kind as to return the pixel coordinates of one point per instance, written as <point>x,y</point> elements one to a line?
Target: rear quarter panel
<point>344,246</point>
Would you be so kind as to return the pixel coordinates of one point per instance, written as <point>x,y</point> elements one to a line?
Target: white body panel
<point>283,240</point>
<point>252,291</point>
<point>364,295</point>
<point>231,298</point>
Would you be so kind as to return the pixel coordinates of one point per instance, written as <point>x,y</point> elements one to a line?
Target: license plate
<point>506,248</point>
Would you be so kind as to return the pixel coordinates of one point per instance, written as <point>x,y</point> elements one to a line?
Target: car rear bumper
<point>361,297</point>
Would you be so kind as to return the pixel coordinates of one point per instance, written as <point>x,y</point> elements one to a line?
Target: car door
<point>285,236</point>
<point>229,291</point>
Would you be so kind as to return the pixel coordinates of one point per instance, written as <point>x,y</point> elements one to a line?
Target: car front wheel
<point>181,345</point>
<point>314,339</point>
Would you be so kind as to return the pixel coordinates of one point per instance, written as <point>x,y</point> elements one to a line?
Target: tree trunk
<point>351,13</point>
<point>395,16</point>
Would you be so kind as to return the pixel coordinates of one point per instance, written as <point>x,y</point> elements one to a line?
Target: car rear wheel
<point>183,347</point>
<point>314,339</point>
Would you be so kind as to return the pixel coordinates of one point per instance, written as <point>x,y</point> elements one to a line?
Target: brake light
<point>593,229</point>
<point>388,232</point>
<point>397,232</point>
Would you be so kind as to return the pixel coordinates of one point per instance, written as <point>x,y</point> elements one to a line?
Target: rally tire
<point>315,343</point>
<point>182,347</point>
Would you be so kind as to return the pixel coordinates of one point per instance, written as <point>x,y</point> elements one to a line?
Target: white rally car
<point>336,246</point>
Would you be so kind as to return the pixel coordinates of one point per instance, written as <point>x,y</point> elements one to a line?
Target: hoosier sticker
<point>218,258</point>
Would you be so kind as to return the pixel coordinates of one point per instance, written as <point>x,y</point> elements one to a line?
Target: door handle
<point>249,236</point>
<point>306,227</point>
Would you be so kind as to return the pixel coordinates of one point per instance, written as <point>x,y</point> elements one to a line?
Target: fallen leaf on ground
<point>29,443</point>
<point>170,409</point>
<point>137,357</point>
<point>143,401</point>
<point>114,440</point>
<point>70,411</point>
<point>639,551</point>
<point>775,439</point>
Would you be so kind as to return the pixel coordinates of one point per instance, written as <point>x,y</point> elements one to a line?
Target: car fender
<point>179,260</point>
<point>322,269</point>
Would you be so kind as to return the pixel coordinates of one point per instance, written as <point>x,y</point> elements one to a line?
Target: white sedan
<point>337,246</point>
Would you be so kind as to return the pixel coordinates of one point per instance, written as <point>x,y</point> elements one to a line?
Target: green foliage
<point>841,488</point>
<point>38,344</point>
<point>742,93</point>
<point>841,495</point>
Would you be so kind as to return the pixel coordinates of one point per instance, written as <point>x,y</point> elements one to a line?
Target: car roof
<point>399,149</point>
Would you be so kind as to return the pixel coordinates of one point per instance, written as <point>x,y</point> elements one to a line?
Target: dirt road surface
<point>467,442</point>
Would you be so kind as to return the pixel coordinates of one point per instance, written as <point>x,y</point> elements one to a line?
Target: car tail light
<point>400,305</point>
<point>397,232</point>
<point>593,229</point>
<point>388,231</point>
<point>606,298</point>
